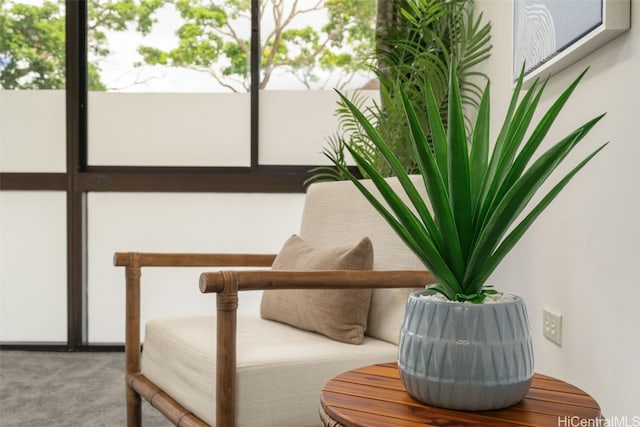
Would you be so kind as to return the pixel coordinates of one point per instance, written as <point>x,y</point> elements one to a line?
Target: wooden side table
<point>373,396</point>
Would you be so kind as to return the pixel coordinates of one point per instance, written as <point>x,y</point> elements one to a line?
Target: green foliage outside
<point>213,38</point>
<point>32,39</point>
<point>31,46</point>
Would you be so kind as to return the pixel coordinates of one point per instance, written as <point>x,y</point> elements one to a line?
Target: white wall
<point>581,257</point>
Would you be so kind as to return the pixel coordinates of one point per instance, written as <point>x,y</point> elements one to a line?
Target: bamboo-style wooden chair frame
<point>226,285</point>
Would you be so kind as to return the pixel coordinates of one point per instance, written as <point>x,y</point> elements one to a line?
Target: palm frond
<point>418,45</point>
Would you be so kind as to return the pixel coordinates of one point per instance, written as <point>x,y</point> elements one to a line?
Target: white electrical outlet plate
<point>552,326</point>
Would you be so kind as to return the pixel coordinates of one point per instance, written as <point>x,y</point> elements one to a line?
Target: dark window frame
<point>81,178</point>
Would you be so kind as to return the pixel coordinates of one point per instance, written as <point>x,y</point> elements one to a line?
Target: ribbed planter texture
<point>465,356</point>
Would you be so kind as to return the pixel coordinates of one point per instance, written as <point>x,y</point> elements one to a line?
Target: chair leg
<point>134,408</point>
<point>227,306</point>
<point>132,338</point>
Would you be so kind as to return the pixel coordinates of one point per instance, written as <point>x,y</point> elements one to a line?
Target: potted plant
<point>415,40</point>
<point>462,352</point>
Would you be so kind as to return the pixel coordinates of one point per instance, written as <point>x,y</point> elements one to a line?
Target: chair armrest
<point>133,263</point>
<point>226,284</point>
<point>334,279</point>
<point>124,259</point>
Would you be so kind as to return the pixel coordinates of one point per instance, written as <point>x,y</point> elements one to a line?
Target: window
<point>32,143</point>
<point>32,59</point>
<point>174,79</point>
<point>175,90</point>
<point>308,49</point>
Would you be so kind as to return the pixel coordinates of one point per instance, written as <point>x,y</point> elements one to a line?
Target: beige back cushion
<point>340,314</point>
<point>337,213</point>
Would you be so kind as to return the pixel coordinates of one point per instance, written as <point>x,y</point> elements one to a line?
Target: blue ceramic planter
<point>465,356</point>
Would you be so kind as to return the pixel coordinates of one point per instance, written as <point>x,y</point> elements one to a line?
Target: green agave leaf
<point>428,240</point>
<point>514,202</point>
<point>397,168</point>
<point>480,150</point>
<point>513,139</point>
<point>521,121</point>
<point>401,210</point>
<point>399,228</point>
<point>510,241</point>
<point>459,178</point>
<point>502,158</point>
<point>438,134</point>
<point>537,136</point>
<point>493,163</point>
<point>473,298</point>
<point>443,290</point>
<point>518,196</point>
<point>434,182</point>
<point>474,196</point>
<point>425,251</point>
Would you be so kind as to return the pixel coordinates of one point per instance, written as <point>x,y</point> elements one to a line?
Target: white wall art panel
<point>549,35</point>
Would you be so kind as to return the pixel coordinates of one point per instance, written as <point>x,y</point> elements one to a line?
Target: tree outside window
<point>312,44</point>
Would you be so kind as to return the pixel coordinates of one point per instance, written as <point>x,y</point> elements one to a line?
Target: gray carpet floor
<point>65,389</point>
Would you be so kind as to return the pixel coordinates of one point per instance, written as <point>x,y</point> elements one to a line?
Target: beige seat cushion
<point>281,369</point>
<point>340,314</point>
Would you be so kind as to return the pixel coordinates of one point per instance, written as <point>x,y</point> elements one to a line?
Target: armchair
<point>228,370</point>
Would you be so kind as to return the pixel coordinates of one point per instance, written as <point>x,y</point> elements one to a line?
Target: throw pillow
<point>340,314</point>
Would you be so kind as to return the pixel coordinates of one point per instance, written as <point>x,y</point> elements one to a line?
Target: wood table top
<point>374,396</point>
